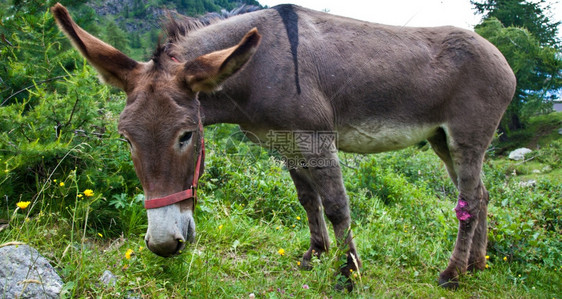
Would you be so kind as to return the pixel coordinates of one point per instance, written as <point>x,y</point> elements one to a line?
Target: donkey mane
<point>177,26</point>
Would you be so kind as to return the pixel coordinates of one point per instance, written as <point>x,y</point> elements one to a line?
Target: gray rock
<point>108,279</point>
<point>24,273</point>
<point>529,183</point>
<point>519,154</point>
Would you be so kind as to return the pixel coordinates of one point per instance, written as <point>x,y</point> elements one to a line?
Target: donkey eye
<point>125,139</point>
<point>185,138</point>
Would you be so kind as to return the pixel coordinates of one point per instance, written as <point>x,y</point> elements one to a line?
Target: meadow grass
<point>404,228</point>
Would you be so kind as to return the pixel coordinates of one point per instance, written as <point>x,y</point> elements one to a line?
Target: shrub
<point>51,135</point>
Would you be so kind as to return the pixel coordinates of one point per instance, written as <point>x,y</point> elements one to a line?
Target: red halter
<point>185,194</point>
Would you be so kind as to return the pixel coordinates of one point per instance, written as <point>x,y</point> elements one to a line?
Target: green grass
<point>539,132</point>
<point>403,225</point>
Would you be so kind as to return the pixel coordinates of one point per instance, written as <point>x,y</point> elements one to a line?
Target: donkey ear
<point>114,67</point>
<point>208,71</point>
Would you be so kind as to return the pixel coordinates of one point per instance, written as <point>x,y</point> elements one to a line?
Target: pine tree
<point>115,36</point>
<point>527,37</point>
<point>532,16</point>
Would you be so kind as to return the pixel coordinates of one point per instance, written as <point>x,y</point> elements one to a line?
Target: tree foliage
<point>523,14</point>
<point>536,67</point>
<point>116,36</point>
<point>32,50</point>
<point>527,37</point>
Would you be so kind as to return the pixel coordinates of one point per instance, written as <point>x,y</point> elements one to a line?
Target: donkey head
<point>162,123</point>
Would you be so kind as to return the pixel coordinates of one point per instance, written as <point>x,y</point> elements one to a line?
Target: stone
<point>108,279</point>
<point>24,273</point>
<point>519,154</point>
<point>529,183</point>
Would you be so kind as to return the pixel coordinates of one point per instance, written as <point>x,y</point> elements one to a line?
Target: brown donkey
<point>325,82</point>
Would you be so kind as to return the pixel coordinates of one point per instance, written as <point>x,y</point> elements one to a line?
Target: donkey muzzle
<point>168,230</point>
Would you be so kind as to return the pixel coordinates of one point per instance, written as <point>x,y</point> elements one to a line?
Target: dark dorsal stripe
<point>291,22</point>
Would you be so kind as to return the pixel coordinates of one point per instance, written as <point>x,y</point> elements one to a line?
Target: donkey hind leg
<point>471,207</point>
<point>464,170</point>
<point>439,145</point>
<point>310,200</point>
<point>477,258</point>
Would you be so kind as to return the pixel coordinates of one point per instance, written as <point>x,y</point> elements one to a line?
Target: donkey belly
<point>374,137</point>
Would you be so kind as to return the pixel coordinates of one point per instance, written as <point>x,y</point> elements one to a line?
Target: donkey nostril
<point>181,244</point>
<point>167,248</point>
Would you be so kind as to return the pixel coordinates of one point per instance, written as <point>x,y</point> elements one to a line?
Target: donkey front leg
<point>328,183</point>
<point>310,200</point>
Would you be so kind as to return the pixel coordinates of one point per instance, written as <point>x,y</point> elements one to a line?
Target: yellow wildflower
<point>487,266</point>
<point>487,257</point>
<point>61,184</point>
<point>129,253</point>
<point>298,263</point>
<point>298,218</point>
<point>220,227</point>
<point>505,258</point>
<point>55,180</point>
<point>89,192</point>
<point>281,251</point>
<point>79,195</point>
<point>23,204</point>
<point>101,236</point>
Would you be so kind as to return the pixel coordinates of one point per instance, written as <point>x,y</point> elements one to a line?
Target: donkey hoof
<point>448,283</point>
<point>477,266</point>
<point>306,265</point>
<point>308,256</point>
<point>344,284</point>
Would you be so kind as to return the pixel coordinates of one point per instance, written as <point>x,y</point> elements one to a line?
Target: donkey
<point>367,87</point>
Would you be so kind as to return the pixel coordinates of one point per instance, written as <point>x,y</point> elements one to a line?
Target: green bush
<point>551,154</point>
<point>244,177</point>
<point>51,135</point>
